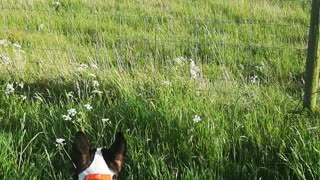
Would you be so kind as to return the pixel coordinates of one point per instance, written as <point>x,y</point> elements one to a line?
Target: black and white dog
<point>98,163</point>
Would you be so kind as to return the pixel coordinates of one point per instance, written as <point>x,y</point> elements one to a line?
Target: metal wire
<point>120,41</point>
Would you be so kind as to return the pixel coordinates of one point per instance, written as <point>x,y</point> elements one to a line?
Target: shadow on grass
<point>157,145</point>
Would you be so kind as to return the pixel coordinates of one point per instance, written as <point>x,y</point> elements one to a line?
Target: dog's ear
<point>118,152</point>
<point>80,151</point>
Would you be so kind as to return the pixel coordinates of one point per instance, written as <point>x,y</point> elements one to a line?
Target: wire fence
<point>265,40</point>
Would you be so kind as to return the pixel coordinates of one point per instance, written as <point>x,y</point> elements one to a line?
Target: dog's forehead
<point>98,165</point>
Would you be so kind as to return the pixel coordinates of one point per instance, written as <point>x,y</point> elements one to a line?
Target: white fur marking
<point>98,166</point>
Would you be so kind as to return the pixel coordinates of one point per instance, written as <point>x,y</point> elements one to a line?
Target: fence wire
<point>234,34</point>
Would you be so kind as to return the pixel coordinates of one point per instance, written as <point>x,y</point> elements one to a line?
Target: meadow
<point>206,89</point>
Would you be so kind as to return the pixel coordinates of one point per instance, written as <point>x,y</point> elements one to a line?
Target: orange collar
<point>98,177</point>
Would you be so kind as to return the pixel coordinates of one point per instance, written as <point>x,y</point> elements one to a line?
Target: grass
<point>247,94</point>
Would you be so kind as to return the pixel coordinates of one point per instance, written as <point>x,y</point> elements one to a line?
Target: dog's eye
<point>114,177</point>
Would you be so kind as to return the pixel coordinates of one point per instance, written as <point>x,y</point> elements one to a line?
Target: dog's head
<point>92,163</point>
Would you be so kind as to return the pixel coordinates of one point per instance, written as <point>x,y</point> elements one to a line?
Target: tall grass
<point>233,111</point>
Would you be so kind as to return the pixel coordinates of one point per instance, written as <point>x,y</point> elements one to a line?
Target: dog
<point>98,163</point>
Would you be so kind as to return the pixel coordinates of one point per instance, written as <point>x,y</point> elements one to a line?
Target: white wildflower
<point>60,142</point>
<point>196,119</point>
<point>4,42</point>
<point>6,59</point>
<point>105,120</point>
<point>79,120</point>
<point>9,88</point>
<point>194,70</point>
<point>179,60</point>
<point>82,67</point>
<point>72,112</point>
<point>254,79</point>
<point>96,92</point>
<point>57,3</point>
<point>20,84</point>
<point>88,106</point>
<point>16,45</point>
<point>93,65</point>
<point>41,27</point>
<point>95,83</point>
<point>70,94</point>
<point>66,117</point>
<point>166,83</point>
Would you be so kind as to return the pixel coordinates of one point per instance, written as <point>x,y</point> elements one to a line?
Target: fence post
<point>312,64</point>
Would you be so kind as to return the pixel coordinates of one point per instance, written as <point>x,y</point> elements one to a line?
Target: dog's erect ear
<point>118,152</point>
<point>80,151</point>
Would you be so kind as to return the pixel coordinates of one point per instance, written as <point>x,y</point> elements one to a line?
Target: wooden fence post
<point>312,64</point>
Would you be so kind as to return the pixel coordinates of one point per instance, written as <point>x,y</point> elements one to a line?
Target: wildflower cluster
<point>11,88</point>
<point>253,79</point>
<point>82,67</point>
<point>5,43</point>
<point>194,70</point>
<point>70,113</point>
<point>196,119</point>
<point>166,83</point>
<point>74,114</point>
<point>70,95</point>
<point>60,142</point>
<point>179,60</point>
<point>5,59</point>
<point>88,106</point>
<point>94,82</point>
<point>17,48</point>
<point>95,85</point>
<point>56,5</point>
<point>105,120</point>
<point>41,27</point>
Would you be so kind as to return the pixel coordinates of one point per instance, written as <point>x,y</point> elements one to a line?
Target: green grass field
<point>232,112</point>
